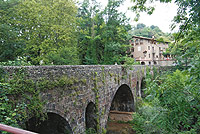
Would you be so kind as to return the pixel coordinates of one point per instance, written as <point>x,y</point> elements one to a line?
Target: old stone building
<point>149,51</point>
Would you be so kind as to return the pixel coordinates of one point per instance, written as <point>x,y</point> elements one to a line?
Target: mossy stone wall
<point>67,90</point>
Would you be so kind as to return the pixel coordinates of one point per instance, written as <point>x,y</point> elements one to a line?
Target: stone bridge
<point>84,95</point>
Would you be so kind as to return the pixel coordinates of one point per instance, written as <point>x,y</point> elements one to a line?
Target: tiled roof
<point>139,37</point>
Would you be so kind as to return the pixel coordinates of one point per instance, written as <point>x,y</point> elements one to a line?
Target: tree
<point>145,31</point>
<point>115,33</point>
<point>140,26</point>
<point>170,105</point>
<point>47,27</point>
<point>89,40</point>
<point>10,44</point>
<point>102,33</point>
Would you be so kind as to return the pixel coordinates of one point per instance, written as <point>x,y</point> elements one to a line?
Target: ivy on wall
<point>21,96</point>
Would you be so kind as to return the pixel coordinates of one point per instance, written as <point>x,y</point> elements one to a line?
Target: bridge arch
<point>138,89</point>
<point>121,109</point>
<point>53,124</point>
<point>143,86</point>
<point>91,117</point>
<point>123,100</point>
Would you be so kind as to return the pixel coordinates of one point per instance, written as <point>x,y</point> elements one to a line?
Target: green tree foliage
<point>145,31</point>
<point>186,50</point>
<point>115,33</point>
<point>48,29</point>
<point>10,45</point>
<point>171,105</point>
<point>5,108</point>
<point>89,39</point>
<point>11,113</point>
<point>103,33</point>
<point>186,47</point>
<point>64,56</point>
<point>140,26</point>
<point>46,32</point>
<point>19,61</point>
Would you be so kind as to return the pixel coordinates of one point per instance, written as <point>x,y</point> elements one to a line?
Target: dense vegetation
<point>149,32</point>
<point>171,104</point>
<point>42,31</point>
<point>172,101</point>
<point>58,32</point>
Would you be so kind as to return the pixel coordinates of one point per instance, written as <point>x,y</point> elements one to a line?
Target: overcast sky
<point>162,16</point>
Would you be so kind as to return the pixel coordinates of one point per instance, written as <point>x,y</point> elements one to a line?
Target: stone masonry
<point>71,103</point>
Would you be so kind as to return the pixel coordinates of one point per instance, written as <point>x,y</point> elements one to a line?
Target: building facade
<point>149,51</point>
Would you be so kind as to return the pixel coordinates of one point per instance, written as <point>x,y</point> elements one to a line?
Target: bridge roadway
<point>89,93</point>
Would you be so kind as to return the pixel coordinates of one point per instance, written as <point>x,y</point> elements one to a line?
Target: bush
<point>9,114</point>
<point>171,105</point>
<point>20,61</point>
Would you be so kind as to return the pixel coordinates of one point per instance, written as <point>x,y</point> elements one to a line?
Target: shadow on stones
<point>91,117</point>
<point>123,100</point>
<point>54,124</point>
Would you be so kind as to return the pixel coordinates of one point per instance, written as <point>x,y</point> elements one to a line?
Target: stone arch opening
<point>122,108</point>
<point>137,89</point>
<point>143,86</point>
<point>123,100</point>
<point>91,117</point>
<point>53,124</point>
<point>142,63</point>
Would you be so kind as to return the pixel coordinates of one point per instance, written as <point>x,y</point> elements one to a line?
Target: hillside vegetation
<point>145,31</point>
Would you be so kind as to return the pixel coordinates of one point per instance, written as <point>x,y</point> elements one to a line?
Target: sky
<point>162,16</point>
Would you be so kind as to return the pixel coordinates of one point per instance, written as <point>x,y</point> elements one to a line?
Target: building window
<point>139,48</point>
<point>131,56</point>
<point>152,48</point>
<point>141,42</point>
<point>148,47</point>
<point>137,42</point>
<point>145,53</point>
<point>156,56</point>
<point>149,55</point>
<point>149,62</point>
<point>142,63</point>
<point>132,49</point>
